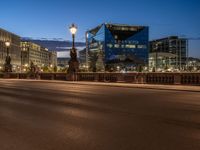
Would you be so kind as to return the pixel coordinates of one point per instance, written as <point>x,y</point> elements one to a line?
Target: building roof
<point>115,26</point>
<point>10,32</point>
<point>119,31</point>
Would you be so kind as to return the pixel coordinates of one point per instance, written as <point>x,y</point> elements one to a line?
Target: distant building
<point>83,66</point>
<point>40,56</point>
<point>168,54</point>
<point>63,62</point>
<point>14,50</point>
<point>193,64</point>
<point>82,56</point>
<point>52,58</point>
<point>113,46</point>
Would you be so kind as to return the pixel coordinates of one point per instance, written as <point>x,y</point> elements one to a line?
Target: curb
<point>140,86</point>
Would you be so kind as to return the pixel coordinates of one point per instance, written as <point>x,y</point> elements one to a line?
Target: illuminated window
<point>141,46</point>
<point>109,45</point>
<point>116,45</point>
<point>130,46</point>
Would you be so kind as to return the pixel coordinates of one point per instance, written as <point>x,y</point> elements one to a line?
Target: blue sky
<point>51,18</point>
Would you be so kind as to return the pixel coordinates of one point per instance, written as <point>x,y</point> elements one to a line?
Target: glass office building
<point>113,47</point>
<point>168,54</point>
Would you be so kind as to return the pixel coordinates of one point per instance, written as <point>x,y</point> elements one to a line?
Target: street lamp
<point>7,43</point>
<point>73,62</point>
<point>8,66</point>
<point>73,30</point>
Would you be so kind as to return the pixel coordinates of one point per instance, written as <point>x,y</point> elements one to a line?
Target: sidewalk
<point>125,85</point>
<point>144,86</point>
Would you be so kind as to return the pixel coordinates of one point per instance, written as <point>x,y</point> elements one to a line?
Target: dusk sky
<point>51,18</point>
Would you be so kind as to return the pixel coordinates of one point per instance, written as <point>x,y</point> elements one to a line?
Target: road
<point>38,115</point>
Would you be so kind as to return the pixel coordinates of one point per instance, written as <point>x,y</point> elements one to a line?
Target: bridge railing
<point>143,78</point>
<point>135,78</point>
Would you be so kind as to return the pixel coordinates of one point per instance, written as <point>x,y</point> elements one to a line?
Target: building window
<point>116,45</point>
<point>130,46</point>
<point>141,46</point>
<point>109,45</point>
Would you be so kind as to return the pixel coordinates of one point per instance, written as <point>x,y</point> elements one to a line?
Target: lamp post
<point>73,30</point>
<point>7,43</point>
<point>73,62</point>
<point>8,66</point>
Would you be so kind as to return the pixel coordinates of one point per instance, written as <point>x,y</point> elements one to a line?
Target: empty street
<point>46,115</point>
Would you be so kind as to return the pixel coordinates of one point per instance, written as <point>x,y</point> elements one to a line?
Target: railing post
<point>177,78</point>
<point>96,77</point>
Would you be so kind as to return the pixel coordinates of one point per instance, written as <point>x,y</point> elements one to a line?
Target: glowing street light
<point>73,29</point>
<point>7,43</point>
<point>8,66</point>
<point>73,62</point>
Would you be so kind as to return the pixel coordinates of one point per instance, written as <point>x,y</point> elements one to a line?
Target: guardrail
<point>143,78</point>
<point>135,78</point>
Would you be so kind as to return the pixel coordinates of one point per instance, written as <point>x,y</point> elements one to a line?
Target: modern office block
<point>169,53</point>
<point>113,47</point>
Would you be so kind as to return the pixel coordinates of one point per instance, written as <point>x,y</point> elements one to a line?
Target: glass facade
<point>169,53</point>
<point>114,47</point>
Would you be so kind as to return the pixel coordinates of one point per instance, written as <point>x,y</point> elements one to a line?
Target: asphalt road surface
<point>36,115</point>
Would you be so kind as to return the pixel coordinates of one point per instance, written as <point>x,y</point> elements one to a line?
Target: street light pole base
<point>73,66</point>
<point>8,68</point>
<point>73,69</point>
<point>73,62</point>
<point>7,65</point>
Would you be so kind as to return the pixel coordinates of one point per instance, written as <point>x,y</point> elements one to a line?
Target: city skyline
<point>39,19</point>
